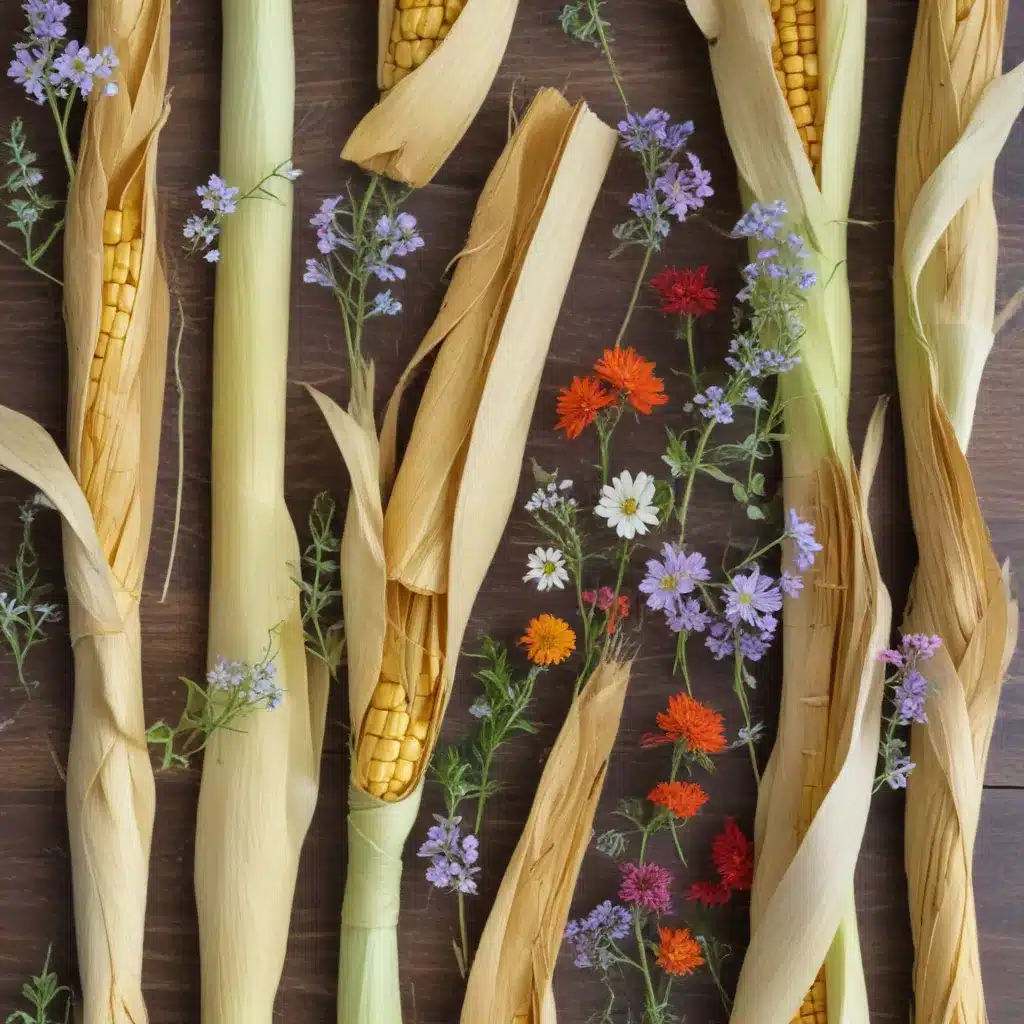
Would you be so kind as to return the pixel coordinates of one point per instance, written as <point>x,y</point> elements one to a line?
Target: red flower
<point>711,894</point>
<point>733,857</point>
<point>685,292</point>
<point>620,611</point>
<point>579,404</point>
<point>604,599</point>
<point>633,376</point>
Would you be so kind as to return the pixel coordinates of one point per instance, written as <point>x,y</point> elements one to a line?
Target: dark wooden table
<point>664,62</point>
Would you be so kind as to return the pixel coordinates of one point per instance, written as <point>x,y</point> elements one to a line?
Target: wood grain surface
<point>663,62</point>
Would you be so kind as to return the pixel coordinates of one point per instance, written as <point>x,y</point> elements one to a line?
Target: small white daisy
<point>547,567</point>
<point>628,504</point>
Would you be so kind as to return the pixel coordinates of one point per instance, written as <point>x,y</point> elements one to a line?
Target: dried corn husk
<point>813,803</point>
<point>958,111</point>
<point>510,982</point>
<point>260,781</point>
<point>428,531</point>
<point>409,134</point>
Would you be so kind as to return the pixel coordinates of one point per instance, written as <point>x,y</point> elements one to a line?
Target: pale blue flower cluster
<point>452,856</point>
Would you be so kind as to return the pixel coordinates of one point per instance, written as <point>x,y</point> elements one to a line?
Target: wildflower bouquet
<point>420,535</point>
<point>958,110</point>
<point>116,310</point>
<point>436,61</point>
<point>789,84</point>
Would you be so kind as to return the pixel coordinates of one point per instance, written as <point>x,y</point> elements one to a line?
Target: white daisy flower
<point>628,504</point>
<point>547,567</point>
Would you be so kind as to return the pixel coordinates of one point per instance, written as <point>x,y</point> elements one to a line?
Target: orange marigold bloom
<point>678,951</point>
<point>548,640</point>
<point>683,799</point>
<point>579,404</point>
<point>633,375</point>
<point>689,721</point>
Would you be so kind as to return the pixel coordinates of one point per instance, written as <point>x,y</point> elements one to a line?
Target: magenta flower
<point>647,886</point>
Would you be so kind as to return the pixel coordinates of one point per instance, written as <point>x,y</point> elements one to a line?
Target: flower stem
<point>464,936</point>
<point>689,347</point>
<point>62,134</point>
<point>684,506</point>
<point>716,978</point>
<point>485,770</point>
<point>739,687</point>
<point>680,664</point>
<point>607,50</point>
<point>652,998</point>
<point>635,296</point>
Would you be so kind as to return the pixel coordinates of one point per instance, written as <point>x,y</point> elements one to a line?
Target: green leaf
<point>719,475</point>
<point>757,484</point>
<point>748,678</point>
<point>739,493</point>
<point>755,512</point>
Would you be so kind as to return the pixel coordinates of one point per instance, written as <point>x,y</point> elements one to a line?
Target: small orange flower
<point>689,721</point>
<point>548,640</point>
<point>678,952</point>
<point>579,404</point>
<point>620,611</point>
<point>633,375</point>
<point>683,799</point>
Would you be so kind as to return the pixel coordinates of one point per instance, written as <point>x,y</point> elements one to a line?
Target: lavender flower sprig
<point>218,200</point>
<point>320,586</point>
<point>359,239</point>
<point>908,690</point>
<point>55,71</point>
<point>233,690</point>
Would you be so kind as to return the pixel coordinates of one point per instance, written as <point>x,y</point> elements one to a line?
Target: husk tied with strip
<point>957,112</point>
<point>419,536</point>
<point>422,117</point>
<point>511,979</point>
<point>814,797</point>
<point>260,777</point>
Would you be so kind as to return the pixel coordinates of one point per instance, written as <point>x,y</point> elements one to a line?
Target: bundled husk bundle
<point>510,982</point>
<point>435,65</point>
<point>260,779</point>
<point>116,311</point>
<point>958,110</point>
<point>789,75</point>
<point>420,535</point>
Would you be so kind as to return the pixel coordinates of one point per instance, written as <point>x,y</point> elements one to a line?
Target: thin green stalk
<point>62,135</point>
<point>652,997</point>
<point>464,937</point>
<point>607,50</point>
<point>680,664</point>
<point>31,266</point>
<point>640,277</point>
<point>689,348</point>
<point>716,978</point>
<point>485,770</point>
<point>684,506</point>
<point>740,688</point>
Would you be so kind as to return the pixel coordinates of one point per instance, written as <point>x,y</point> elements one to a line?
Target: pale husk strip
<point>945,278</point>
<point>813,802</point>
<point>260,781</point>
<point>448,503</point>
<point>510,982</point>
<point>110,781</point>
<point>409,134</point>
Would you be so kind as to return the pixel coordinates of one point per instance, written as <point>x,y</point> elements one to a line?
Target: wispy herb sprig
<point>232,691</point>
<point>320,586</point>
<point>42,992</point>
<point>24,610</point>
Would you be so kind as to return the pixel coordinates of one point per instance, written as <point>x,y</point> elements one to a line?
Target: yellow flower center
<point>668,582</point>
<point>549,568</point>
<point>745,598</point>
<point>629,507</point>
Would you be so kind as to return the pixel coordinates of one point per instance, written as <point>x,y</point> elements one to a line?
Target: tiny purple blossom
<point>896,777</point>
<point>713,406</point>
<point>591,936</point>
<point>642,131</point>
<point>384,304</point>
<point>752,397</point>
<point>218,196</point>
<point>754,646</point>
<point>688,616</point>
<point>749,596</point>
<point>317,273</point>
<point>801,532</point>
<point>212,255</point>
<point>762,220</point>
<point>642,203</point>
<point>791,584</point>
<point>720,640</point>
<point>685,189</point>
<point>677,135</point>
<point>891,657</point>
<point>77,67</point>
<point>909,698</point>
<point>452,856</point>
<point>46,18</point>
<point>28,69</point>
<point>675,574</point>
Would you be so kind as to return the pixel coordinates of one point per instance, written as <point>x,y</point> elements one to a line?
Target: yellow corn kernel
<point>813,1010</point>
<point>417,27</point>
<point>376,719</point>
<point>112,227</point>
<point>796,28</point>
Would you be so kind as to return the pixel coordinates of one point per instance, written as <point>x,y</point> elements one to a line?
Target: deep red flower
<point>685,292</point>
<point>733,857</point>
<point>711,894</point>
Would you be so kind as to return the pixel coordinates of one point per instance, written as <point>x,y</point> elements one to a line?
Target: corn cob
<point>394,731</point>
<point>813,1009</point>
<point>417,29</point>
<point>105,475</point>
<point>795,56</point>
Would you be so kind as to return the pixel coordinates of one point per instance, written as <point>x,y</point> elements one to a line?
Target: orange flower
<point>633,376</point>
<point>579,404</point>
<point>678,952</point>
<point>548,640</point>
<point>688,721</point>
<point>683,799</point>
<point>620,611</point>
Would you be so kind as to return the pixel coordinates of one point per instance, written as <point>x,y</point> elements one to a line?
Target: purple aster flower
<point>385,305</point>
<point>720,640</point>
<point>591,936</point>
<point>749,596</point>
<point>647,886</point>
<point>77,68</point>
<point>685,189</point>
<point>218,196</point>
<point>642,131</point>
<point>317,273</point>
<point>896,777</point>
<point>675,574</point>
<point>46,18</point>
<point>28,69</point>
<point>761,221</point>
<point>791,584</point>
<point>801,533</point>
<point>688,616</point>
<point>452,856</point>
<point>712,406</point>
<point>909,698</point>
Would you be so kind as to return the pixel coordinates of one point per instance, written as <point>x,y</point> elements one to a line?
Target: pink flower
<point>647,886</point>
